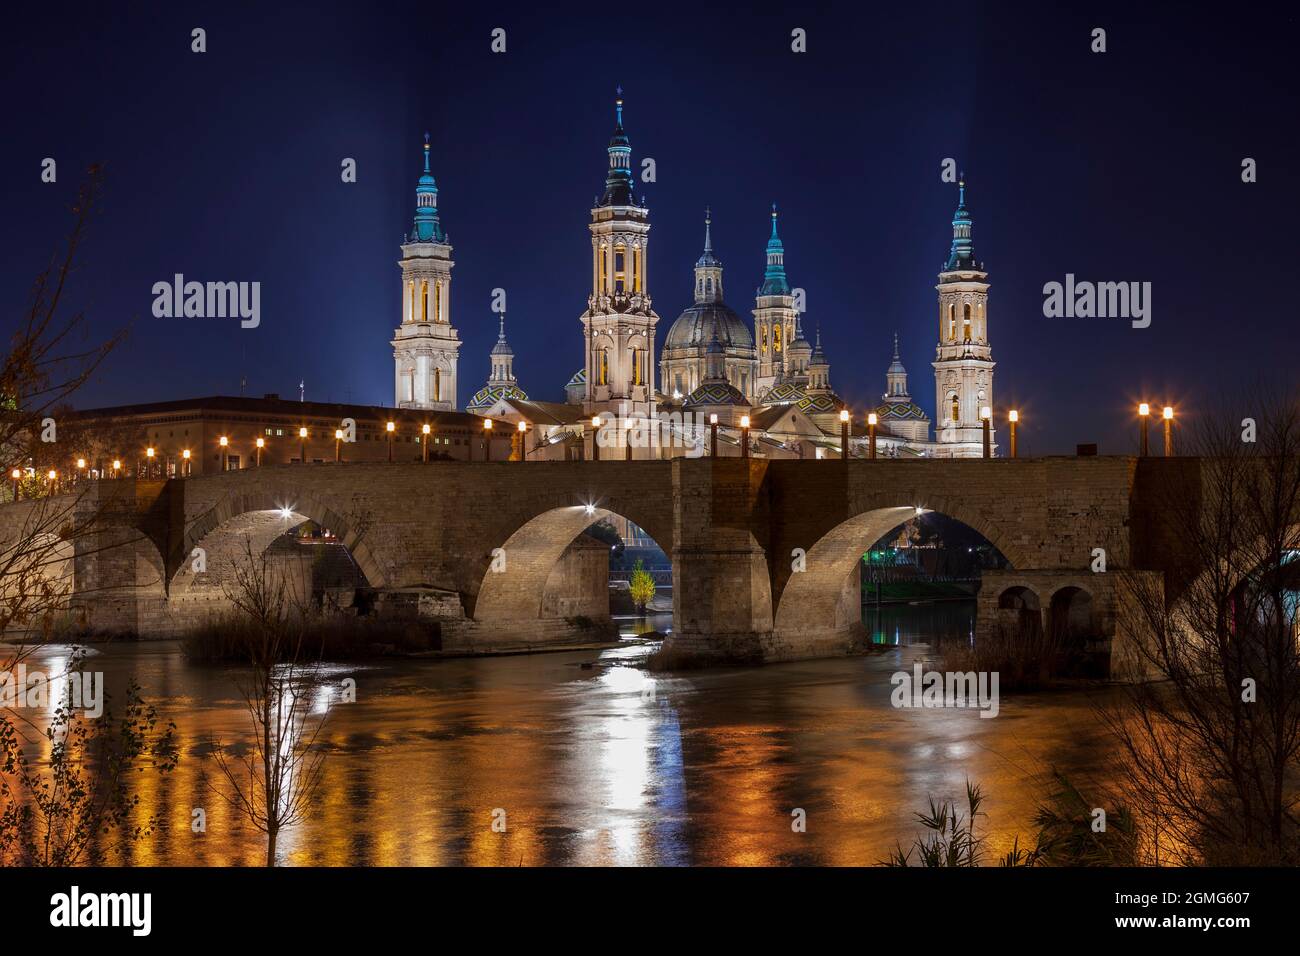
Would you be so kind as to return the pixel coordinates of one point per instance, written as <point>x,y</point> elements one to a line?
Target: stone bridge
<point>765,554</point>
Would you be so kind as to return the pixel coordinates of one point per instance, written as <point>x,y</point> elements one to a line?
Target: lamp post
<point>338,446</point>
<point>1168,415</point>
<point>487,439</point>
<point>81,464</point>
<point>224,442</point>
<point>261,443</point>
<point>54,477</point>
<point>185,463</point>
<point>713,436</point>
<point>17,476</point>
<point>302,445</point>
<point>148,457</point>
<point>117,467</point>
<point>744,436</point>
<point>871,434</point>
<point>1013,416</point>
<point>390,427</point>
<point>424,442</point>
<point>986,419</point>
<point>1144,412</point>
<point>521,434</point>
<point>844,434</point>
<point>595,438</point>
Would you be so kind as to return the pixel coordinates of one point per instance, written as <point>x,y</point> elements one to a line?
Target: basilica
<point>722,384</point>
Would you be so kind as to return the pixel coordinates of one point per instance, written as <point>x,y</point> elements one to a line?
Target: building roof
<point>695,327</point>
<point>715,393</point>
<point>547,413</point>
<point>489,395</point>
<point>270,406</point>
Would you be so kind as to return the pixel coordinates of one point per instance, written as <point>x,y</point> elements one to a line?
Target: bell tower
<point>425,345</point>
<point>963,366</point>
<point>619,324</point>
<point>774,315</point>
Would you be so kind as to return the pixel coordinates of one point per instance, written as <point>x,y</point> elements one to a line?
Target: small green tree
<point>642,587</point>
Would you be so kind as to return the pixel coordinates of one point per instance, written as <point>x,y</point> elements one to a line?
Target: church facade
<point>761,381</point>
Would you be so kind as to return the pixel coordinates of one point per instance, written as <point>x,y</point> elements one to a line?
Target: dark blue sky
<point>225,166</point>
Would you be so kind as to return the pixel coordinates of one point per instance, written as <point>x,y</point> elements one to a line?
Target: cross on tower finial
<point>618,90</point>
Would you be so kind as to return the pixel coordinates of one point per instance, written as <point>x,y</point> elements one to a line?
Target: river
<point>595,761</point>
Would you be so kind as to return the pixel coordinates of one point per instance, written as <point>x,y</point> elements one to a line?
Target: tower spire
<point>774,280</point>
<point>428,227</point>
<point>962,253</point>
<point>619,190</point>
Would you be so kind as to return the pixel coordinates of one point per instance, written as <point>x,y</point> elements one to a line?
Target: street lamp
<point>986,420</point>
<point>117,466</point>
<point>595,438</point>
<point>148,455</point>
<point>844,434</point>
<point>713,436</point>
<point>1144,412</point>
<point>390,427</point>
<point>224,442</point>
<point>521,435</point>
<point>338,446</point>
<point>185,467</point>
<point>54,477</point>
<point>872,420</point>
<point>1168,415</point>
<point>261,443</point>
<point>424,441</point>
<point>302,444</point>
<point>17,476</point>
<point>744,436</point>
<point>1013,416</point>
<point>487,439</point>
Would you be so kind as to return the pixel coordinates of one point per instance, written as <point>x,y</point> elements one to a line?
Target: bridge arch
<point>825,596</point>
<point>513,573</point>
<point>255,519</point>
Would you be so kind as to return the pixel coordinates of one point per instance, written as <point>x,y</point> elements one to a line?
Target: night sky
<point>225,166</point>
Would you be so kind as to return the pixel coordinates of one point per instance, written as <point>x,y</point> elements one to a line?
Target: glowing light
<point>302,432</point>
<point>872,419</point>
<point>81,463</point>
<point>223,441</point>
<point>1144,409</point>
<point>261,443</point>
<point>713,419</point>
<point>286,512</point>
<point>595,421</point>
<point>1168,412</point>
<point>338,434</point>
<point>919,511</point>
<point>487,424</point>
<point>844,414</point>
<point>1013,415</point>
<point>591,509</point>
<point>148,452</point>
<point>186,454</point>
<point>986,413</point>
<point>117,465</point>
<point>15,474</point>
<point>53,474</point>
<point>424,429</point>
<point>523,426</point>
<point>390,426</point>
<point>744,421</point>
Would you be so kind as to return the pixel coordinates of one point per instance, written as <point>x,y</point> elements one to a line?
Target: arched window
<point>956,407</point>
<point>776,337</point>
<point>437,384</point>
<point>437,302</point>
<point>424,300</point>
<point>410,307</point>
<point>620,268</point>
<point>965,322</point>
<point>952,322</point>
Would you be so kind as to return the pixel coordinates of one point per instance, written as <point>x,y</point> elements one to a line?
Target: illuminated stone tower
<point>963,366</point>
<point>619,324</point>
<point>774,314</point>
<point>425,346</point>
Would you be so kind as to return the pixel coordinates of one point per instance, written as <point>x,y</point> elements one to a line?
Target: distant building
<point>199,424</point>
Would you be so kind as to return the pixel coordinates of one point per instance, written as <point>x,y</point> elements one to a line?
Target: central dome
<point>695,327</point>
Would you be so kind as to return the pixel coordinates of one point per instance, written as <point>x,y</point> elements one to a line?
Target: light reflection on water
<point>598,762</point>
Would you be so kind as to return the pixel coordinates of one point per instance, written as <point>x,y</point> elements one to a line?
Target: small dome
<point>489,395</point>
<point>695,328</point>
<point>901,411</point>
<point>715,393</point>
<point>579,378</point>
<point>783,393</point>
<point>821,403</point>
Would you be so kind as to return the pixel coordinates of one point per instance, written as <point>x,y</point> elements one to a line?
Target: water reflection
<point>595,761</point>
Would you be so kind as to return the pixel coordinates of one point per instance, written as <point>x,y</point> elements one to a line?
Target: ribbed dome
<point>488,395</point>
<point>783,393</point>
<point>695,327</point>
